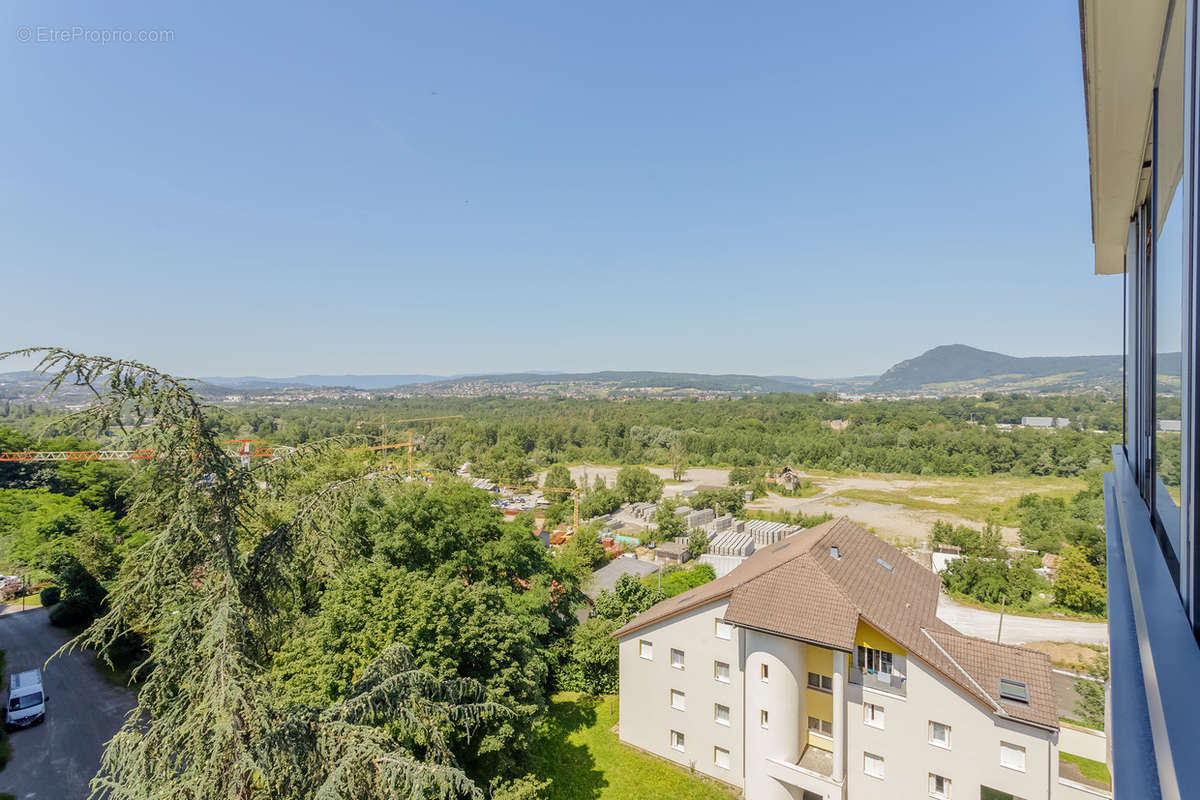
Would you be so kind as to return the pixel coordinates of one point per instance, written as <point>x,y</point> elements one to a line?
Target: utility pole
<point>1000,628</point>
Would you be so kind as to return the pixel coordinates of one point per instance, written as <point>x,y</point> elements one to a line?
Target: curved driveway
<point>1018,630</point>
<point>55,760</point>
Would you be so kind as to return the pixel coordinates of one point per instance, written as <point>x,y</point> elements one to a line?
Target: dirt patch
<point>891,521</point>
<point>1067,655</point>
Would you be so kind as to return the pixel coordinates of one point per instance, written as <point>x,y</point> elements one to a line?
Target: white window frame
<point>867,761</point>
<point>676,693</point>
<point>717,672</point>
<point>764,673</point>
<point>720,628</point>
<point>717,751</point>
<point>677,741</point>
<point>944,794</point>
<point>874,715</point>
<point>764,719</point>
<point>933,741</point>
<point>646,649</point>
<point>717,714</point>
<point>1009,747</point>
<point>819,729</point>
<point>682,658</point>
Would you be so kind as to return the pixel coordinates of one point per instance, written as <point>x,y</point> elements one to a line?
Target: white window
<point>764,674</point>
<point>873,715</point>
<point>939,734</point>
<point>677,700</point>
<point>723,630</point>
<point>1012,756</point>
<point>873,765</point>
<point>646,649</point>
<point>764,721</point>
<point>677,741</point>
<point>721,671</point>
<point>720,714</point>
<point>939,787</point>
<point>721,757</point>
<point>822,683</point>
<point>676,658</point>
<point>821,727</point>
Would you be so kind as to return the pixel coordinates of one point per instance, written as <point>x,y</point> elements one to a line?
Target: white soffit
<point>1121,45</point>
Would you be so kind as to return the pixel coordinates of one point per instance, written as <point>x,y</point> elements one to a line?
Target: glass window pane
<point>1168,337</point>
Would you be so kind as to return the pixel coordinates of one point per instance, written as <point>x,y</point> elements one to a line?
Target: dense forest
<point>511,438</point>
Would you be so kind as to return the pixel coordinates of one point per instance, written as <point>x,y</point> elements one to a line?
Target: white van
<point>26,699</point>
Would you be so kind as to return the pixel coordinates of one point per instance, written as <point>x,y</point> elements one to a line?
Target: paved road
<point>1017,630</point>
<point>57,758</point>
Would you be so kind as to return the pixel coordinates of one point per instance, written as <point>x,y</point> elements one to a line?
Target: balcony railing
<point>870,679</point>
<point>1154,656</point>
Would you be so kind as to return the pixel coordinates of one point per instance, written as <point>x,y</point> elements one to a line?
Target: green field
<point>578,752</point>
<point>976,499</point>
<point>1094,770</point>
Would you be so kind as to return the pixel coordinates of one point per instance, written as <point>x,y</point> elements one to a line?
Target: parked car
<point>26,700</point>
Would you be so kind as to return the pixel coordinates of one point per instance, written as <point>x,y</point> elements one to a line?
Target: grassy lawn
<point>1093,770</point>
<point>972,498</point>
<point>577,750</point>
<point>31,601</point>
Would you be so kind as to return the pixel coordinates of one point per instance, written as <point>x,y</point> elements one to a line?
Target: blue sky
<point>770,188</point>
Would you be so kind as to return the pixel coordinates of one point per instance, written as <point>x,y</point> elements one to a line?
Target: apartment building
<point>1141,78</point>
<point>819,669</point>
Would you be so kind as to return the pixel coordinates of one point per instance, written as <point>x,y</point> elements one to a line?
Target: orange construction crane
<point>574,495</point>
<point>246,449</point>
<point>411,444</point>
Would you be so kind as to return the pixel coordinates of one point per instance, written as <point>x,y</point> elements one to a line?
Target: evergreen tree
<point>206,592</point>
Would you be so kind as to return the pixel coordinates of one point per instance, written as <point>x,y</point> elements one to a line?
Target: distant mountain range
<point>958,369</point>
<point>948,369</point>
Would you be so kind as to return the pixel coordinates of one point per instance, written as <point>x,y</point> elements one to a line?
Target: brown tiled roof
<point>798,600</point>
<point>987,662</point>
<point>797,588</point>
<point>762,561</point>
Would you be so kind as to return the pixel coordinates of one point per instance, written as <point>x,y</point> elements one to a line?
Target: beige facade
<point>647,715</point>
<point>969,758</point>
<point>781,757</point>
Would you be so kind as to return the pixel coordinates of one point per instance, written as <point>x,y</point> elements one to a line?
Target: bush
<point>71,611</point>
<point>82,597</point>
<point>50,595</point>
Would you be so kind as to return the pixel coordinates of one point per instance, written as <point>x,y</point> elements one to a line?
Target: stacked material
<point>732,544</point>
<point>697,519</point>
<point>718,525</point>
<point>766,533</point>
<point>643,511</point>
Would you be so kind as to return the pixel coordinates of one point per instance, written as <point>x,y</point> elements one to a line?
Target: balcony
<point>813,775</point>
<point>893,683</point>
